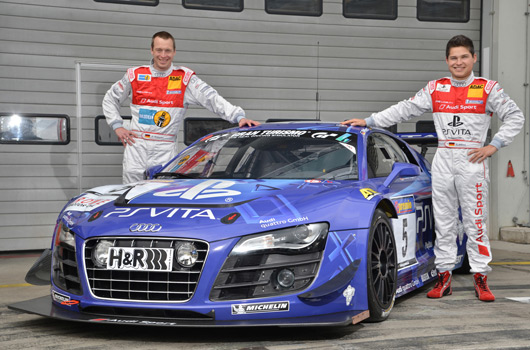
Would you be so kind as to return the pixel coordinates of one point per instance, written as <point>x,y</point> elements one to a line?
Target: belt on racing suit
<point>154,136</point>
<point>459,144</point>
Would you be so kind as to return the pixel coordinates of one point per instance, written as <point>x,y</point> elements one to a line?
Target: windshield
<point>269,154</point>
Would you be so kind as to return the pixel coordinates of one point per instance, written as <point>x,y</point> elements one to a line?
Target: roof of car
<point>317,124</point>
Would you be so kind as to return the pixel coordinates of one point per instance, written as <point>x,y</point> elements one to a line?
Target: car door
<point>383,151</point>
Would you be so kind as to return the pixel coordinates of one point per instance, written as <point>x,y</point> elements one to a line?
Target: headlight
<point>187,254</point>
<point>285,278</point>
<point>293,238</point>
<point>63,236</point>
<point>100,254</point>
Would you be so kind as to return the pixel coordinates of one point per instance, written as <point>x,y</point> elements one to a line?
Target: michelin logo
<point>243,309</point>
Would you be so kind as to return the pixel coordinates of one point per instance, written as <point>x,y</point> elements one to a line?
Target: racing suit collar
<point>462,83</point>
<point>158,73</point>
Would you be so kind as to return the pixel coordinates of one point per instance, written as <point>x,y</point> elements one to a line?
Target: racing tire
<point>381,268</point>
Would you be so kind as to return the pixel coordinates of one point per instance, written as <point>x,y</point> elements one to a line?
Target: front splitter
<point>44,306</point>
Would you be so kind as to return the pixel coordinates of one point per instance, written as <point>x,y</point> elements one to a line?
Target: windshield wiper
<point>175,175</point>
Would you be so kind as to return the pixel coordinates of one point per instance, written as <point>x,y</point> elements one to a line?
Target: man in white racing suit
<point>161,94</point>
<point>462,107</point>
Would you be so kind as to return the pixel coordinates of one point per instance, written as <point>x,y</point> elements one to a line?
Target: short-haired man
<point>161,94</point>
<point>462,106</point>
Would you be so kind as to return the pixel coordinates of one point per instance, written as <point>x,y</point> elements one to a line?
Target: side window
<point>406,151</point>
<point>218,5</point>
<point>132,2</point>
<point>443,10</point>
<point>34,128</point>
<point>195,128</point>
<point>105,136</point>
<point>381,9</point>
<point>294,7</point>
<point>382,153</point>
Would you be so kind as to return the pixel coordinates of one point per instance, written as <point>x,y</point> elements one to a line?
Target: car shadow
<point>192,335</point>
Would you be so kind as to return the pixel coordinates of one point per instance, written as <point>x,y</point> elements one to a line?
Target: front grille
<point>177,285</point>
<point>255,275</point>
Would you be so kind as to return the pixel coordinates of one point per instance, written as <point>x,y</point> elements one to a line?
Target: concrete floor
<point>458,321</point>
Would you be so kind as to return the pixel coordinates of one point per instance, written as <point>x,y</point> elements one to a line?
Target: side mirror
<point>401,170</point>
<point>152,171</point>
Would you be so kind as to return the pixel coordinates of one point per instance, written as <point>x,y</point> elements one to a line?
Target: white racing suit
<point>159,102</point>
<point>462,111</point>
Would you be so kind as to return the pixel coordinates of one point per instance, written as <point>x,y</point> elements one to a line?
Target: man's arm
<point>512,122</point>
<point>112,101</point>
<point>508,112</point>
<point>200,93</point>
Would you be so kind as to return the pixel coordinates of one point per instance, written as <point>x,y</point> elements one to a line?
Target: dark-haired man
<point>462,106</point>
<point>161,94</point>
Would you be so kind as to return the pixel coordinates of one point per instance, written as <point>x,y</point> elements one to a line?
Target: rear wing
<point>424,140</point>
<point>425,136</point>
<point>418,138</point>
<point>425,133</point>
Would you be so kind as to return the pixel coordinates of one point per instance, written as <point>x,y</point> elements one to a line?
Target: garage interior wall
<point>271,65</point>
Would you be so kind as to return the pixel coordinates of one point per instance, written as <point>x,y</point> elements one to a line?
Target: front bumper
<point>44,306</point>
<point>338,297</point>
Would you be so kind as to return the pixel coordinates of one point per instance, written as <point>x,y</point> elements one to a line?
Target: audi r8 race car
<point>281,224</point>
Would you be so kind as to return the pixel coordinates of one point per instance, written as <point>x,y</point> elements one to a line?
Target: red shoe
<point>482,290</point>
<point>442,287</point>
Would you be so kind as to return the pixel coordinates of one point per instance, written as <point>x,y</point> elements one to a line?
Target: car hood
<point>208,209</point>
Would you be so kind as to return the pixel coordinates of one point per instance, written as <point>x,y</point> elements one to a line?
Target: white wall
<point>510,66</point>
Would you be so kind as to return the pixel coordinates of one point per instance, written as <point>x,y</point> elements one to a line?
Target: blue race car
<point>281,224</point>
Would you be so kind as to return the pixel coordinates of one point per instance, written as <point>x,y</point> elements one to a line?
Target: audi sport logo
<point>145,227</point>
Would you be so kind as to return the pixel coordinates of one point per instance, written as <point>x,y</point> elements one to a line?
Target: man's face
<point>163,53</point>
<point>460,62</point>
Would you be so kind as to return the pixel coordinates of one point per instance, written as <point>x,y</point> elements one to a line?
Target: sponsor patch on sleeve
<point>130,73</point>
<point>187,77</point>
<point>490,85</point>
<point>432,85</point>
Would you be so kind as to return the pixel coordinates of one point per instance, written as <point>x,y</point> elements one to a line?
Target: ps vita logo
<point>204,190</point>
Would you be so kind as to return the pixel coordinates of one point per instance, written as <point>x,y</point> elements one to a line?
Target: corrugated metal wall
<point>271,65</point>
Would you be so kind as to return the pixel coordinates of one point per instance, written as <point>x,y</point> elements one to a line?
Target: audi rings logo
<point>145,227</point>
